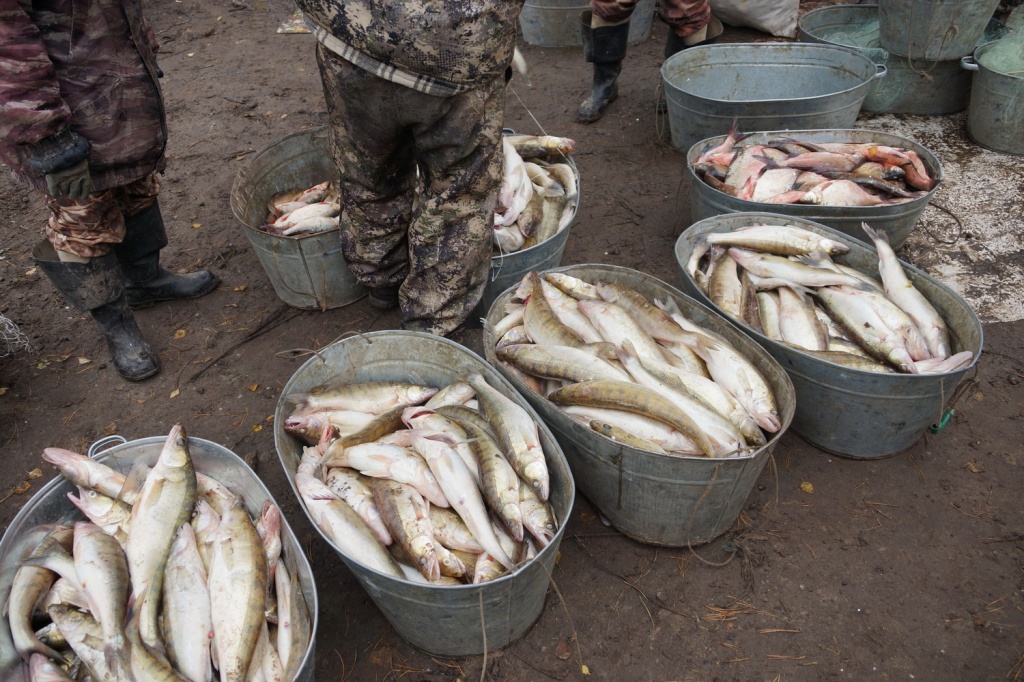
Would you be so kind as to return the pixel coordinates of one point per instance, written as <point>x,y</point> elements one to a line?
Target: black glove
<point>64,160</point>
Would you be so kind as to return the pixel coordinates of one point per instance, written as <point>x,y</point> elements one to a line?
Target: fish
<point>560,362</point>
<point>300,623</point>
<point>237,580</point>
<point>102,569</point>
<point>786,240</point>
<point>572,286</point>
<point>343,527</point>
<point>203,526</point>
<point>533,146</point>
<point>798,323</point>
<point>724,288</point>
<point>64,592</point>
<point>455,393</point>
<point>818,162</point>
<point>633,398</point>
<point>910,300</point>
<point>767,265</point>
<point>219,496</point>
<point>568,313</point>
<point>541,322</point>
<point>952,363</point>
<point>378,460</point>
<point>844,193</point>
<point>745,169</point>
<point>42,669</point>
<point>768,312</point>
<point>452,532</point>
<point>373,396</point>
<point>516,433</point>
<point>773,182</point>
<point>28,588</point>
<point>850,360</point>
<point>498,480</point>
<point>85,471</point>
<point>187,617</point>
<point>166,501</point>
<point>429,420</point>
<point>866,326</point>
<point>538,517</point>
<point>510,321</point>
<point>616,326</point>
<point>516,190</point>
<point>148,664</point>
<point>348,485</point>
<point>487,569</point>
<point>626,438</point>
<point>313,210</point>
<point>406,514</point>
<point>268,526</point>
<point>461,490</point>
<point>85,637</point>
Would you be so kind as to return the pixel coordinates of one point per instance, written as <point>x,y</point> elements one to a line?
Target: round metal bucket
<point>935,30</point>
<point>307,272</point>
<point>556,23</point>
<point>910,87</point>
<point>849,412</point>
<point>763,86</point>
<point>995,119</point>
<point>655,499</point>
<point>509,268</point>
<point>897,220</point>
<point>50,506</point>
<point>445,621</point>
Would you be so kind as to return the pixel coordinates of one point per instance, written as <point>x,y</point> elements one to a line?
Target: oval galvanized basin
<point>897,221</point>
<point>445,621</point>
<point>656,499</point>
<point>849,412</point>
<point>51,506</point>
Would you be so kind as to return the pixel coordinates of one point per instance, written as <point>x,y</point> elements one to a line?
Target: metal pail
<point>910,86</point>
<point>556,23</point>
<point>51,506</point>
<point>849,412</point>
<point>897,220</point>
<point>995,119</point>
<point>656,499</point>
<point>444,621</point>
<point>935,30</point>
<point>307,272</point>
<point>763,86</point>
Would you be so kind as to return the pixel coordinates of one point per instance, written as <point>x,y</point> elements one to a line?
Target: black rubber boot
<point>676,44</point>
<point>606,48</point>
<point>384,298</point>
<point>97,286</point>
<point>146,282</point>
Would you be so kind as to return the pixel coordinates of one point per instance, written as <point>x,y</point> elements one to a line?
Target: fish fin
<point>876,235</point>
<point>669,306</point>
<point>134,481</point>
<point>768,162</point>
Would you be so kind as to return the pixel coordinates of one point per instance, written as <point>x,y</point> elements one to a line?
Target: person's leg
<point>77,259</point>
<point>605,32</point>
<point>146,282</point>
<point>690,23</point>
<point>372,149</point>
<point>452,232</point>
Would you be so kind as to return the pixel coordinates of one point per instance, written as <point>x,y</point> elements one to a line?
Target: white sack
<point>777,17</point>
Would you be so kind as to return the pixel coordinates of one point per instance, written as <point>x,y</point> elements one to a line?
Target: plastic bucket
<point>995,119</point>
<point>556,23</point>
<point>909,87</point>
<point>897,220</point>
<point>763,86</point>
<point>51,506</point>
<point>933,29</point>
<point>444,621</point>
<point>307,272</point>
<point>849,412</point>
<point>656,499</point>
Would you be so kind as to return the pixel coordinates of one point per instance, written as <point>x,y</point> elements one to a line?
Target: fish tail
<point>876,236</point>
<point>112,654</point>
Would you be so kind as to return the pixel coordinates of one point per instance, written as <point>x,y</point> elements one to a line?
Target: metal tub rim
<point>696,51</point>
<point>825,230</point>
<point>51,489</point>
<point>290,475</point>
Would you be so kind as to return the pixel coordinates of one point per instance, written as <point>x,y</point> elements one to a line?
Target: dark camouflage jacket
<point>88,64</point>
<point>439,47</point>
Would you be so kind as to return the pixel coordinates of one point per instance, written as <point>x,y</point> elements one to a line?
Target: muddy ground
<point>910,567</point>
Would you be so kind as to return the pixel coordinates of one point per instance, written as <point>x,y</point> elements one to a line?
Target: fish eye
<point>181,442</point>
<point>535,484</point>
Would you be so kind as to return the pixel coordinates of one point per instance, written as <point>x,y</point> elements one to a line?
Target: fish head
<point>422,550</point>
<point>540,525</point>
<point>452,565</point>
<point>417,394</point>
<point>536,474</point>
<point>175,451</point>
<point>415,415</point>
<point>768,418</point>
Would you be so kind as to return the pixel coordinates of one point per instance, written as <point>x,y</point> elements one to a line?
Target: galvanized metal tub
<point>556,23</point>
<point>933,29</point>
<point>995,119</point>
<point>509,268</point>
<point>763,86</point>
<point>444,621</point>
<point>910,87</point>
<point>849,412</point>
<point>897,221</point>
<point>50,506</point>
<point>307,272</point>
<point>655,499</point>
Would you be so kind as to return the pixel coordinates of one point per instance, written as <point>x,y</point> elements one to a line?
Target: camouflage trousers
<point>683,16</point>
<point>90,226</point>
<point>419,183</point>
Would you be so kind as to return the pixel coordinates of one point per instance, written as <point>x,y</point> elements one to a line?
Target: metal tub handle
<point>968,63</point>
<point>104,444</point>
<point>881,70</point>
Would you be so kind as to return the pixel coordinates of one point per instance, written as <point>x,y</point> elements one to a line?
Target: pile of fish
<point>168,579</point>
<point>445,486</point>
<point>538,192</point>
<point>634,370</point>
<point>790,171</point>
<point>781,281</point>
<point>296,212</point>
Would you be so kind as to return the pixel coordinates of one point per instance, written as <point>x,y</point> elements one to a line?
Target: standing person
<point>82,119</point>
<point>415,90</point>
<point>605,30</point>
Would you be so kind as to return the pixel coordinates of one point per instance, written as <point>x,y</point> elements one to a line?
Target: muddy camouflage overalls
<point>415,92</point>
